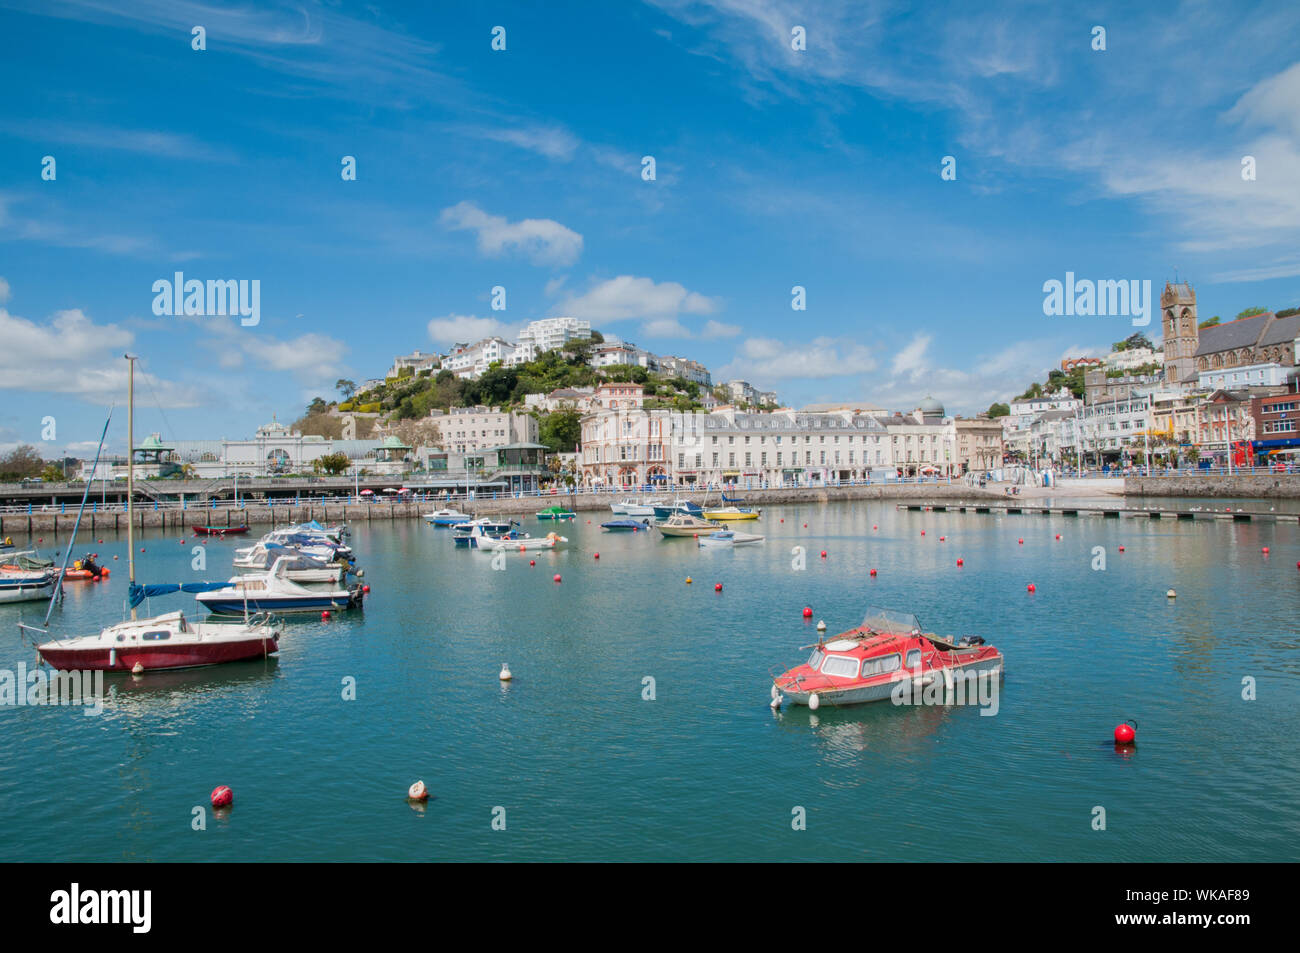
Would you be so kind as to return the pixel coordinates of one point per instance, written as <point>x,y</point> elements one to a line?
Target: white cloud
<point>767,359</point>
<point>717,329</point>
<point>628,296</point>
<point>542,240</point>
<point>70,354</point>
<point>554,286</point>
<point>910,361</point>
<point>4,290</point>
<point>553,142</point>
<point>465,328</point>
<point>665,328</point>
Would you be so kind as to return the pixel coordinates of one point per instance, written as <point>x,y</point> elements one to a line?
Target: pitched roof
<point>1243,332</point>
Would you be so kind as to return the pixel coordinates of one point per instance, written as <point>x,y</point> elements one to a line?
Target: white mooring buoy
<point>1171,594</point>
<point>821,625</point>
<point>505,675</point>
<point>137,669</point>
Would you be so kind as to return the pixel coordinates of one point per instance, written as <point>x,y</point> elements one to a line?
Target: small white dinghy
<point>522,544</point>
<point>729,537</point>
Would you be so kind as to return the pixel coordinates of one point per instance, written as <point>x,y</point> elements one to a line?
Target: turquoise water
<point>585,769</point>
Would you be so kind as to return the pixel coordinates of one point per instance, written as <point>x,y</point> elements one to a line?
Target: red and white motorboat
<point>868,663</point>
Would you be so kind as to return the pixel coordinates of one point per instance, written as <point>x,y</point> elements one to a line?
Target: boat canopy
<point>891,621</point>
<point>138,593</point>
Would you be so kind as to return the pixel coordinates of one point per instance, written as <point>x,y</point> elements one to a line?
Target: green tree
<point>561,430</point>
<point>999,410</point>
<point>345,387</point>
<point>52,473</point>
<point>21,463</point>
<point>332,463</point>
<point>318,405</point>
<point>1287,312</point>
<point>1208,323</point>
<point>1251,312</point>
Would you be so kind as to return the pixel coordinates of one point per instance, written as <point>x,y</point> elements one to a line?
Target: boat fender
<point>814,702</point>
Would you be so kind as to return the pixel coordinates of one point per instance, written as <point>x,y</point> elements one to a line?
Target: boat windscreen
<point>890,621</point>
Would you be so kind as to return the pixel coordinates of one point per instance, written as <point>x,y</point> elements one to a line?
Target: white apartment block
<point>414,362</point>
<point>686,369</point>
<point>1112,426</point>
<point>1132,358</point>
<point>614,353</point>
<point>551,333</point>
<point>471,360</point>
<point>473,429</point>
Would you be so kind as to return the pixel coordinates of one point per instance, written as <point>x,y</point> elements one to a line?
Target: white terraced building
<point>624,445</point>
<point>471,360</point>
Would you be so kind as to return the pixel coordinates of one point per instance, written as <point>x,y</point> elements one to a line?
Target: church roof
<point>1282,330</point>
<point>1243,332</point>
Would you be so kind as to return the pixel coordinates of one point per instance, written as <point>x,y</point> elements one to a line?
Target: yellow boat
<point>730,513</point>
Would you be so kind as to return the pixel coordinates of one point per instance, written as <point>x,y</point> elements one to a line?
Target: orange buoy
<point>1125,734</point>
<point>688,580</point>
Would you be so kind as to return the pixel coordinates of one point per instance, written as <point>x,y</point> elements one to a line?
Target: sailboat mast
<point>130,472</point>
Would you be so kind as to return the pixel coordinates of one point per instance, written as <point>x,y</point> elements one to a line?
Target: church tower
<point>1178,310</point>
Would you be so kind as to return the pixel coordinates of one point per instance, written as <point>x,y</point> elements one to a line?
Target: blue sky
<point>522,168</point>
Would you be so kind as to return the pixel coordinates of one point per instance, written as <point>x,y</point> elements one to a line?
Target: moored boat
<point>729,537</point>
<point>166,641</point>
<point>520,544</point>
<point>273,591</point>
<point>202,530</point>
<point>163,642</point>
<point>625,525</point>
<point>729,514</point>
<point>469,534</point>
<point>680,505</point>
<point>556,513</point>
<point>684,524</point>
<point>868,663</point>
<point>446,517</point>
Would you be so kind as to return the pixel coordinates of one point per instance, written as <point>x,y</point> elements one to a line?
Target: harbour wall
<point>181,521</point>
<point>1271,486</point>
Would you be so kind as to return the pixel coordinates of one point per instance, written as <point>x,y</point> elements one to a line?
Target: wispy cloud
<point>543,241</point>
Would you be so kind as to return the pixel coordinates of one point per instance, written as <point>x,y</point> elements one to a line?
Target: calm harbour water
<point>587,770</point>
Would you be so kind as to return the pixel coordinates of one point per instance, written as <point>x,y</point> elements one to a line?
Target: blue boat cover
<point>137,593</point>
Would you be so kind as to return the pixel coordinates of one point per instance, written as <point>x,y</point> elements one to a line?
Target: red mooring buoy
<point>222,796</point>
<point>1124,734</point>
<point>1031,588</point>
<point>807,612</point>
